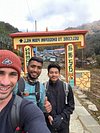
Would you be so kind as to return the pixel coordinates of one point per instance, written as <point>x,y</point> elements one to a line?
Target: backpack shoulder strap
<point>65,85</point>
<point>21,87</point>
<point>46,84</point>
<point>37,92</point>
<point>15,111</point>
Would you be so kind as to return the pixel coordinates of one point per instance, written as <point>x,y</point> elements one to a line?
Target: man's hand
<point>57,121</point>
<point>50,118</point>
<point>47,105</point>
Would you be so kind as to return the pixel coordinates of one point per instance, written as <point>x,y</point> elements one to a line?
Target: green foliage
<point>5,40</point>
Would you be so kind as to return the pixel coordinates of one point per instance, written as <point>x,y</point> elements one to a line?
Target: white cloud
<point>54,14</point>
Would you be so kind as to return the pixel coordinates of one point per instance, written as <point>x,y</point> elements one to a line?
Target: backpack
<point>21,87</point>
<point>15,114</point>
<point>65,86</point>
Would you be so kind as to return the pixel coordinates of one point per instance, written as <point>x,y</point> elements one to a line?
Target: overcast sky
<point>54,14</point>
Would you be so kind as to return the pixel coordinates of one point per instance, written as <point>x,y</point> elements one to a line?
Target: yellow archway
<point>68,38</point>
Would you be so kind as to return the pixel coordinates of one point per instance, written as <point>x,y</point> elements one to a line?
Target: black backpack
<point>15,114</point>
<point>21,87</point>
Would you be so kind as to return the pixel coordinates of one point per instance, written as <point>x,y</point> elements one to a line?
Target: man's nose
<point>36,69</point>
<point>6,80</point>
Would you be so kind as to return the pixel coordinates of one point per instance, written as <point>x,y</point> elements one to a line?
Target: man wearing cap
<point>31,118</point>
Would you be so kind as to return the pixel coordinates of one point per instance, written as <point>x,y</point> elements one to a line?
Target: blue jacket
<point>31,89</point>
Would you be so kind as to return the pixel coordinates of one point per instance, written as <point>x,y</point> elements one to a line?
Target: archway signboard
<point>68,38</point>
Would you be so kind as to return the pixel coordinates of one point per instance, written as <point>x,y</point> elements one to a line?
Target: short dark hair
<point>36,58</point>
<point>54,65</point>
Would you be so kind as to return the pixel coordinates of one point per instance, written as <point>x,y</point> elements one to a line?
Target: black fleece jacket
<point>57,97</point>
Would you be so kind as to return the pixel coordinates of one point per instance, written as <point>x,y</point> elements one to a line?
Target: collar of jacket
<point>53,83</point>
<point>31,81</point>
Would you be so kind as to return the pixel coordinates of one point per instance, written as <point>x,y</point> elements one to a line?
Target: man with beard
<point>31,83</point>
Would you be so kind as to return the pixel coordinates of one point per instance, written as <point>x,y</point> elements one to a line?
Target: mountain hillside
<point>92,28</point>
<point>5,30</point>
<point>92,38</point>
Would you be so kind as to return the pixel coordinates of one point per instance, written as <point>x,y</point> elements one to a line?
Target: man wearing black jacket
<point>60,95</point>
